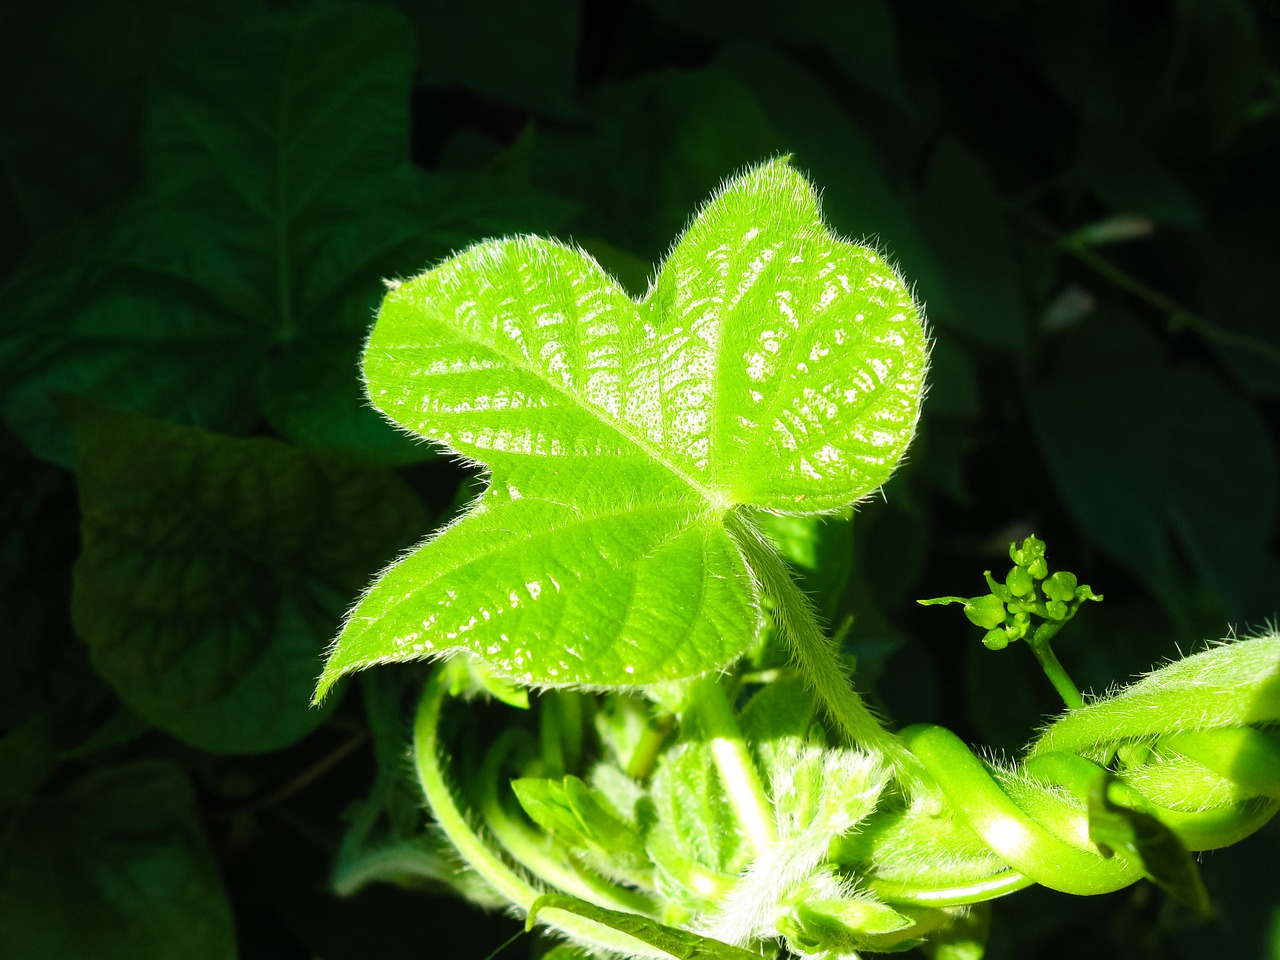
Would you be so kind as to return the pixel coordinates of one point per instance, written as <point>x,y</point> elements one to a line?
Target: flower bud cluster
<point>1030,602</point>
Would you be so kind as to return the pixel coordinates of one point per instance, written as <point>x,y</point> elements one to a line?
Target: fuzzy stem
<point>814,652</point>
<point>478,855</point>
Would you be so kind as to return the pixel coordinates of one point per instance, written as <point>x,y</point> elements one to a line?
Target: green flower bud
<point>1017,629</point>
<point>985,611</point>
<point>995,639</point>
<point>1061,586</point>
<point>1032,549</point>
<point>1019,582</point>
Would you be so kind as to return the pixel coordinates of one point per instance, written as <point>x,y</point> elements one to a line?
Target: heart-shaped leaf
<point>771,366</point>
<point>214,568</point>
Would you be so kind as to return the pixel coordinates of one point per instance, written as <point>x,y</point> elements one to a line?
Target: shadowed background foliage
<point>198,204</point>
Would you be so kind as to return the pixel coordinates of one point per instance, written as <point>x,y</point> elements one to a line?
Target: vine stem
<point>1057,675</point>
<point>1017,838</point>
<point>734,762</point>
<point>816,653</point>
<point>1177,314</point>
<point>645,756</point>
<point>487,862</point>
<point>531,850</point>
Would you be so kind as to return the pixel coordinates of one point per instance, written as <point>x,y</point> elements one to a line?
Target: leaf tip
<point>328,677</point>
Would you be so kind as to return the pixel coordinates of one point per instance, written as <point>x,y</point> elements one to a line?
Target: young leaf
<point>678,943</point>
<point>569,809</point>
<point>1146,843</point>
<point>771,365</point>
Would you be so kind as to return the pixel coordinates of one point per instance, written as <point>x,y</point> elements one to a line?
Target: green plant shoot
<point>720,789</point>
<point>1029,597</point>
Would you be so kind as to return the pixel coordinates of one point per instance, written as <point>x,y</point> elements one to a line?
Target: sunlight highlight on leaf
<point>771,366</point>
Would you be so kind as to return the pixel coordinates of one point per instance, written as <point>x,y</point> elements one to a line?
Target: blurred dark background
<point>198,203</point>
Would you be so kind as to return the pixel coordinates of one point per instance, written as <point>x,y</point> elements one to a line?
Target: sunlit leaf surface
<point>771,365</point>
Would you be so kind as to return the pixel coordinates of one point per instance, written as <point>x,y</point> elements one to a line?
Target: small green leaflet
<point>679,943</point>
<point>1147,844</point>
<point>771,366</point>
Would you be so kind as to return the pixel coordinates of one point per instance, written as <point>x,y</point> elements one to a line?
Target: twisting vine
<point>863,852</point>
<point>698,777</point>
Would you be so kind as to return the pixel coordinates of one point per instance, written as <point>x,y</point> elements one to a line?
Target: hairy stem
<point>479,855</point>
<point>814,652</point>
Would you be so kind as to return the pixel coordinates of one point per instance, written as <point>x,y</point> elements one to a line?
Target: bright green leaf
<point>771,366</point>
<point>678,943</point>
<point>861,193</point>
<point>214,569</point>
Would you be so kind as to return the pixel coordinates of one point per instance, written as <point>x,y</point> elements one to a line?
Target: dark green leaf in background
<point>1144,451</point>
<point>1124,176</point>
<point>215,570</point>
<point>962,216</point>
<point>859,38</point>
<point>56,66</point>
<point>115,868</point>
<point>274,154</point>
<point>243,278</point>
<point>654,149</point>
<point>512,50</point>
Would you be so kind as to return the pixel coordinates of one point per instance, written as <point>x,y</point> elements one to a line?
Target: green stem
<point>484,860</point>
<point>1048,661</point>
<point>734,762</point>
<point>530,848</point>
<point>1017,839</point>
<point>478,855</point>
<point>645,755</point>
<point>1177,314</point>
<point>815,653</point>
<point>1197,829</point>
<point>1245,756</point>
<point>905,893</point>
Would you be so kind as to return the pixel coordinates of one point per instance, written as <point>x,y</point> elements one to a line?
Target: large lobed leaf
<point>214,569</point>
<point>770,366</point>
<point>236,284</point>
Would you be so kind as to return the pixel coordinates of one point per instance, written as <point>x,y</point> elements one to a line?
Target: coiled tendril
<point>1117,789</point>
